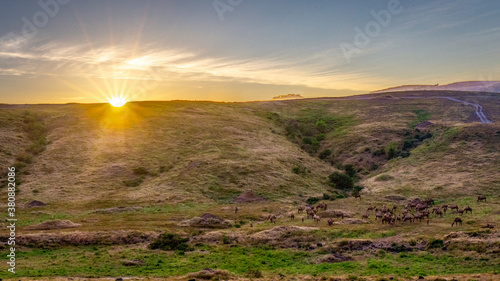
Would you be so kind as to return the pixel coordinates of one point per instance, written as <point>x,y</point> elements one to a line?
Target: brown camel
<point>468,209</point>
<point>292,216</point>
<point>235,210</point>
<point>316,218</point>
<point>457,221</point>
<point>300,209</point>
<point>330,222</point>
<point>481,198</point>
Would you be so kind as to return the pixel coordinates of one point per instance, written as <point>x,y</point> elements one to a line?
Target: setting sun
<point>117,101</point>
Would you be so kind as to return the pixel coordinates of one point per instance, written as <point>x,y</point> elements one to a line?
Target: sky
<point>87,51</point>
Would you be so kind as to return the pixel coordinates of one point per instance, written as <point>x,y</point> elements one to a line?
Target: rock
<point>248,197</point>
<point>278,232</point>
<point>352,221</point>
<point>207,220</point>
<point>116,210</point>
<point>333,258</point>
<point>53,224</point>
<point>210,274</point>
<point>34,204</point>
<point>395,197</point>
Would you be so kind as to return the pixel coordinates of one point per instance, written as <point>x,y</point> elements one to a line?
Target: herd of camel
<point>415,210</point>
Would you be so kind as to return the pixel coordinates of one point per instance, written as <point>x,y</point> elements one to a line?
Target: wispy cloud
<point>315,70</point>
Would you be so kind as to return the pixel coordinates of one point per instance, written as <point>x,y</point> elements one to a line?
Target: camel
<point>481,198</point>
<point>235,210</point>
<point>370,208</point>
<point>292,216</point>
<point>357,195</point>
<point>457,221</point>
<point>316,218</point>
<point>272,218</point>
<point>365,216</point>
<point>461,211</point>
<point>330,222</point>
<point>408,218</point>
<point>445,207</point>
<point>468,209</point>
<point>439,212</point>
<point>300,209</point>
<point>302,219</point>
<point>453,207</point>
<point>378,215</point>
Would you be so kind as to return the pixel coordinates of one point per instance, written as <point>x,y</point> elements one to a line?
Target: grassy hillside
<point>177,160</point>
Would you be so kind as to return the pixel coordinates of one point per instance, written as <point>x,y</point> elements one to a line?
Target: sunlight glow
<point>117,101</point>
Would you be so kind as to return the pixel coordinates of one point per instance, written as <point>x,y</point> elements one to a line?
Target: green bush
<point>350,170</point>
<point>384,178</point>
<point>391,150</point>
<point>140,171</point>
<point>134,182</point>
<point>325,153</point>
<point>378,152</point>
<point>326,196</point>
<point>312,200</point>
<point>341,181</point>
<point>169,242</point>
<point>435,243</point>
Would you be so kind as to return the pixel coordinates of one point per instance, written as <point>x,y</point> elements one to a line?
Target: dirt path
<point>479,109</point>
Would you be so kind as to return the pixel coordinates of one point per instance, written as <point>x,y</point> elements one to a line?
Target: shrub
<point>325,153</point>
<point>350,170</point>
<point>341,181</point>
<point>435,243</point>
<point>312,200</point>
<point>307,140</point>
<point>391,150</point>
<point>254,273</point>
<point>326,196</point>
<point>169,242</point>
<point>140,171</point>
<point>320,137</point>
<point>299,170</point>
<point>134,182</point>
<point>378,152</point>
<point>384,178</point>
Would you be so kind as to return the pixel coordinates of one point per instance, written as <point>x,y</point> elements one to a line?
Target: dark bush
<point>140,171</point>
<point>134,182</point>
<point>391,150</point>
<point>435,243</point>
<point>312,200</point>
<point>350,170</point>
<point>169,242</point>
<point>325,153</point>
<point>326,196</point>
<point>341,181</point>
<point>320,137</point>
<point>378,152</point>
<point>307,140</point>
<point>426,136</point>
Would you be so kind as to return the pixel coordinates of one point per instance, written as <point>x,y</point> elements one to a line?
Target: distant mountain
<point>469,86</point>
<point>288,97</point>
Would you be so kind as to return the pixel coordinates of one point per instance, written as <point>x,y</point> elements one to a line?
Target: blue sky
<point>238,50</point>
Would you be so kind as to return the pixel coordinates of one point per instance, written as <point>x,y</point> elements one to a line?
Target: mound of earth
<point>207,220</point>
<point>217,236</point>
<point>333,258</point>
<point>395,197</point>
<point>352,221</point>
<point>34,204</point>
<point>424,125</point>
<point>210,274</point>
<point>335,214</point>
<point>279,232</point>
<point>248,197</point>
<point>55,224</point>
<point>116,210</point>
